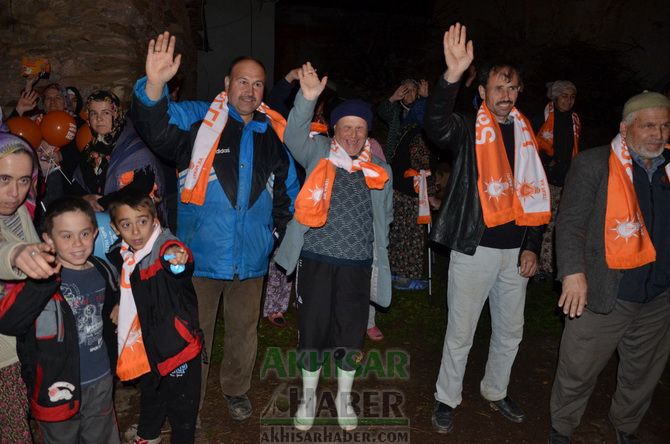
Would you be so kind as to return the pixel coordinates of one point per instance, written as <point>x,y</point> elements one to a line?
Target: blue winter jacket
<point>251,188</point>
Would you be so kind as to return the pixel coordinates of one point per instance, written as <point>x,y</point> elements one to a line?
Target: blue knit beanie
<point>352,107</point>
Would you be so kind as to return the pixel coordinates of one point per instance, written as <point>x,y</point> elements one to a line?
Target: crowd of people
<point>293,196</point>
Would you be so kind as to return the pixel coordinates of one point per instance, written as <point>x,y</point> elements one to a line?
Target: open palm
<point>458,51</point>
<point>310,84</point>
<point>161,64</point>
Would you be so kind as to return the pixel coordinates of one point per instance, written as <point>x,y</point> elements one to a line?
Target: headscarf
<point>98,152</point>
<point>9,144</point>
<point>558,87</point>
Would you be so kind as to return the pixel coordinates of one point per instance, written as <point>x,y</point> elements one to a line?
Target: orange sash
<point>545,137</point>
<point>313,201</point>
<point>421,188</point>
<point>627,242</point>
<point>133,361</point>
<point>521,196</point>
<point>206,141</point>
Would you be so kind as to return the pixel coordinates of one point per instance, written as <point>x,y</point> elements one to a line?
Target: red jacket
<point>48,342</point>
<point>166,306</point>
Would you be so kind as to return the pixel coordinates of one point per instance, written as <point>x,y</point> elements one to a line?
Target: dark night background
<point>609,49</point>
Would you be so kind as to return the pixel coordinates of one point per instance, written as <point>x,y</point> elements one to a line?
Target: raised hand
<point>292,75</point>
<point>161,64</point>
<point>458,52</point>
<point>398,94</point>
<point>423,88</point>
<point>310,84</point>
<point>27,101</point>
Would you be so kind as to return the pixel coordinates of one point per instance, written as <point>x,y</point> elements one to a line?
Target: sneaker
<point>375,334</point>
<point>410,284</point>
<point>130,436</point>
<point>443,418</point>
<point>239,407</point>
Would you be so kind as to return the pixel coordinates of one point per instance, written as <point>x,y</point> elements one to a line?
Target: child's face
<point>134,226</point>
<point>73,238</point>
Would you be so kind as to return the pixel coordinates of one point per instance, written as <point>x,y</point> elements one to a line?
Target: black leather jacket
<point>460,222</point>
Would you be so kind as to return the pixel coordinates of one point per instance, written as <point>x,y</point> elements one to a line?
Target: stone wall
<point>92,45</point>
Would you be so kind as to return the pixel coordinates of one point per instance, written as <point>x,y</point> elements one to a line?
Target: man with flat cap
<point>613,251</point>
<point>337,240</point>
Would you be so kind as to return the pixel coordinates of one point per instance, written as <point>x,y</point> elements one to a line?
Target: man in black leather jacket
<point>493,261</point>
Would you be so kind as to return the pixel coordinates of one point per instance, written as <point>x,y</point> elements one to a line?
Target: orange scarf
<point>206,142</point>
<point>133,361</point>
<point>313,201</point>
<point>627,241</point>
<point>521,196</point>
<point>545,137</point>
<point>421,188</point>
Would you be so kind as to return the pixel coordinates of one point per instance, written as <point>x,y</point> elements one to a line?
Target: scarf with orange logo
<point>545,137</point>
<point>421,188</point>
<point>206,141</point>
<point>133,361</point>
<point>313,201</point>
<point>521,196</point>
<point>627,241</point>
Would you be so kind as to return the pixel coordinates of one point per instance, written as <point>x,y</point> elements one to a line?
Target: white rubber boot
<point>304,416</point>
<point>346,416</point>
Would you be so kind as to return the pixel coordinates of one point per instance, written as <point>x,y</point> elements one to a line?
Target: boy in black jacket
<point>67,344</point>
<point>157,294</point>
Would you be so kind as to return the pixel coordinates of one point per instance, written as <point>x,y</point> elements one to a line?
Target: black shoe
<point>443,418</point>
<point>508,409</point>
<point>626,438</point>
<point>239,407</point>
<point>557,438</point>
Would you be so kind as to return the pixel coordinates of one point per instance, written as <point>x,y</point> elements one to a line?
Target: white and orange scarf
<point>627,241</point>
<point>313,201</point>
<point>133,361</point>
<point>545,137</point>
<point>521,196</point>
<point>421,188</point>
<point>206,142</point>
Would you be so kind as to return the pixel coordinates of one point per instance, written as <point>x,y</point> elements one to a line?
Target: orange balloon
<point>27,129</point>
<point>58,128</point>
<point>84,136</point>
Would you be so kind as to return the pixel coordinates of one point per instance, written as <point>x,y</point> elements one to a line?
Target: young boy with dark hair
<point>159,336</point>
<point>67,345</point>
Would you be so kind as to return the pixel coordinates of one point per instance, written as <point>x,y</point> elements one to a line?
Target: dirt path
<point>416,326</point>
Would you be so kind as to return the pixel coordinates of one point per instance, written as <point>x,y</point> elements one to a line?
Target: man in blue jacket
<point>234,202</point>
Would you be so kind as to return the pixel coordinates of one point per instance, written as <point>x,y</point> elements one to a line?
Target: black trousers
<point>176,396</point>
<point>333,303</point>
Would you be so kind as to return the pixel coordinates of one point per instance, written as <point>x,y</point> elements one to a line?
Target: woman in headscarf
<point>558,132</point>
<point>21,254</point>
<point>113,155</point>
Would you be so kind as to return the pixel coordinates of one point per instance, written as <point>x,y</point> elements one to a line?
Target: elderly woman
<point>558,131</point>
<point>114,154</point>
<point>21,254</point>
